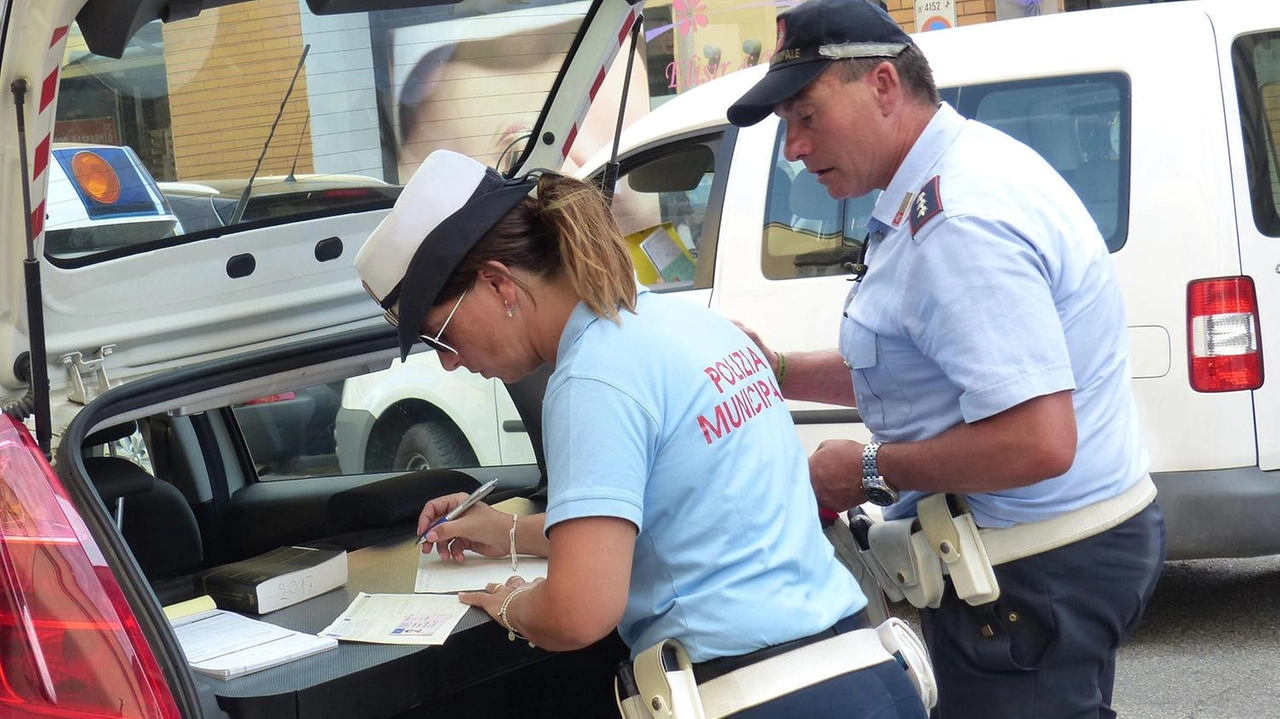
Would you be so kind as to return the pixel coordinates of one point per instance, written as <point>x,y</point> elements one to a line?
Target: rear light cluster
<point>1224,344</point>
<point>70,645</point>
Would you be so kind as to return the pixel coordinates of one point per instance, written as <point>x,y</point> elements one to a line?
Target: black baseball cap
<point>810,36</point>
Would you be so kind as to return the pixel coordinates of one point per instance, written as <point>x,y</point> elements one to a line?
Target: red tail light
<point>1224,341</point>
<point>69,643</point>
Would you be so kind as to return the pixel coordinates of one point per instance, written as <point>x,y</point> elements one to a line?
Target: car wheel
<point>433,445</point>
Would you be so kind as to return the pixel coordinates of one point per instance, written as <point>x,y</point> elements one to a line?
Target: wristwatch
<point>874,487</point>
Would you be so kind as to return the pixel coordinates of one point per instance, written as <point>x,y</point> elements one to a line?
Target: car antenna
<point>296,151</point>
<point>610,175</point>
<point>238,213</point>
<point>38,376</point>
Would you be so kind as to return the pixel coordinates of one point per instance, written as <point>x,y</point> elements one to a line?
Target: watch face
<point>879,494</point>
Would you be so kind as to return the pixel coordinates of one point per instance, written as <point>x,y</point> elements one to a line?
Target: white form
<point>225,645</point>
<point>398,619</point>
<point>440,577</point>
<point>214,633</point>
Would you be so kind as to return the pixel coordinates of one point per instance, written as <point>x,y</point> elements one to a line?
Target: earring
<point>511,311</point>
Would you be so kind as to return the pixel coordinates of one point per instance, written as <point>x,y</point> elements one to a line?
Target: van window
<point>1256,59</point>
<point>1079,124</point>
<point>807,233</point>
<point>660,201</point>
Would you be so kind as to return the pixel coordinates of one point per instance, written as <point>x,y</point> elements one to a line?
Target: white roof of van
<point>700,108</point>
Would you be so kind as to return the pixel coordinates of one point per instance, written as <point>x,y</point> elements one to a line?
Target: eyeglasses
<point>433,342</point>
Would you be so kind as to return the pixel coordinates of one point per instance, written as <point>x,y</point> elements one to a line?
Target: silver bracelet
<point>512,537</point>
<point>502,614</point>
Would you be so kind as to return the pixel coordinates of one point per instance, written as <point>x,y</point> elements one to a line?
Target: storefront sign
<point>92,130</point>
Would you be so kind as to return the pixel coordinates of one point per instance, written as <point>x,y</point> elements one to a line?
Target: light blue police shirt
<point>672,421</point>
<point>988,284</point>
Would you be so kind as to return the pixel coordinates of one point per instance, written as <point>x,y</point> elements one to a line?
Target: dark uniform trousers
<point>1046,649</point>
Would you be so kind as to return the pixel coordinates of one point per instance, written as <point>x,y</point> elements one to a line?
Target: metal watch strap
<point>870,465</point>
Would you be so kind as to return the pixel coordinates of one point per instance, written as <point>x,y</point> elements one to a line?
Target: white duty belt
<point>910,556</point>
<point>1031,538</point>
<point>660,682</point>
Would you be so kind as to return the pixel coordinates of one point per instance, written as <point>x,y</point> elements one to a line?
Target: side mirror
<point>678,172</point>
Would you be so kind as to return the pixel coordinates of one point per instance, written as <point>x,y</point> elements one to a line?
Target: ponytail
<point>565,231</point>
<point>593,254</point>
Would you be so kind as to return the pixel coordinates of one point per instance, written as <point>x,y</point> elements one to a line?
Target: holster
<point>908,568</point>
<point>901,641</point>
<point>953,537</point>
<point>855,558</point>
<point>663,684</point>
<point>910,556</point>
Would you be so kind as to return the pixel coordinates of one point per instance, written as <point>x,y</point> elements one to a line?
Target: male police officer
<point>987,348</point>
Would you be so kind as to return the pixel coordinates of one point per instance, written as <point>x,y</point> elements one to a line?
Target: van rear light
<point>70,645</point>
<point>1224,344</point>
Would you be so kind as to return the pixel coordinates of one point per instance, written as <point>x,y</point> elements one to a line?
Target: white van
<point>1167,124</point>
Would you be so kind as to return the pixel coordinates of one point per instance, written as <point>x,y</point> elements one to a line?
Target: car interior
<point>184,488</point>
<point>168,459</point>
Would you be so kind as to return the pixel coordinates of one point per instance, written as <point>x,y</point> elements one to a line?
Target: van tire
<point>437,444</point>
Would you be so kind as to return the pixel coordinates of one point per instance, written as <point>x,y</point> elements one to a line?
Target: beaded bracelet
<point>502,614</point>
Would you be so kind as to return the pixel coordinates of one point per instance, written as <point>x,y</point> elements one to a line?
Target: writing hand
<point>482,529</point>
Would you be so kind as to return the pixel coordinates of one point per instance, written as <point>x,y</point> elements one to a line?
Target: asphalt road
<point>1209,647</point>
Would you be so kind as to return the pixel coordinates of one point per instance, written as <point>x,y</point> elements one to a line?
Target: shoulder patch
<point>928,203</point>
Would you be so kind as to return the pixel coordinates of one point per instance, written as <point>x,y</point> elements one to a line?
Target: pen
<point>480,493</point>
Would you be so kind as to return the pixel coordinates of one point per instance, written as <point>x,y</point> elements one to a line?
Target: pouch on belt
<point>908,567</point>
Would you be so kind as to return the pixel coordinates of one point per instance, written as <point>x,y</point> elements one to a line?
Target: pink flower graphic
<point>688,15</point>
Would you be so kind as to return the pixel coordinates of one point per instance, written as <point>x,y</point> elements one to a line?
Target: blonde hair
<point>565,232</point>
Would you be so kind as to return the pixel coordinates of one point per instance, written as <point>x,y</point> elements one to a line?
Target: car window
<point>660,201</point>
<point>807,233</point>
<point>1256,61</point>
<point>1079,124</point>
<point>411,416</point>
<point>264,113</point>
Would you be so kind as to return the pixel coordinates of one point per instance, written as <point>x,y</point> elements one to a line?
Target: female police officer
<point>675,477</point>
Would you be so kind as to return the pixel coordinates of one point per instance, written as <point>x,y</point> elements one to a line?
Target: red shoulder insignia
<point>928,203</point>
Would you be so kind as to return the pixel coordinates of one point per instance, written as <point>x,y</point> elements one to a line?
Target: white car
<point>416,415</point>
<point>102,198</point>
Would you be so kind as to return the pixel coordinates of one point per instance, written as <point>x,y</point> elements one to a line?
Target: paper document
<point>665,250</point>
<point>440,577</point>
<point>225,645</point>
<point>398,619</point>
<point>180,610</point>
